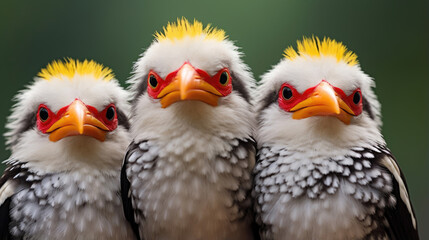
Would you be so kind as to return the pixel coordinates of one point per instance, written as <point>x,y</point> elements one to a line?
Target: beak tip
<point>337,110</point>
<point>80,127</point>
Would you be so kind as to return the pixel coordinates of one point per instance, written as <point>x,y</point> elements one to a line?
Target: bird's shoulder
<point>142,158</point>
<point>393,203</point>
<point>373,178</point>
<point>141,154</point>
<point>134,151</point>
<point>15,177</point>
<point>400,213</point>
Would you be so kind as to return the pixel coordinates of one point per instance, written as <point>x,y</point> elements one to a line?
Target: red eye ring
<point>155,83</point>
<point>152,81</point>
<point>108,116</point>
<point>352,99</point>
<point>288,96</point>
<point>224,78</point>
<point>45,118</point>
<point>110,113</point>
<point>357,97</point>
<point>43,114</point>
<point>287,93</point>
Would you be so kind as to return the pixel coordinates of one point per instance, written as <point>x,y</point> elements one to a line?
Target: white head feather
<point>233,117</point>
<point>32,146</point>
<point>305,71</point>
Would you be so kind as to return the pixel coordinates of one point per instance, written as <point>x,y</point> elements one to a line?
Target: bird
<point>323,170</point>
<point>67,133</point>
<point>187,174</point>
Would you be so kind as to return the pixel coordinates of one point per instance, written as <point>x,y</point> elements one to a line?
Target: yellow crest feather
<point>183,28</point>
<point>70,67</point>
<point>313,47</point>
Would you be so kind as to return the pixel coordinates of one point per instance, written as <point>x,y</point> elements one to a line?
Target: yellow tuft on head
<point>183,28</point>
<point>313,47</point>
<point>70,67</point>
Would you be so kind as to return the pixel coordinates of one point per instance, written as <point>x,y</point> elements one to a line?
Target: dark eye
<point>153,82</point>
<point>224,77</point>
<point>356,98</point>
<point>43,114</point>
<point>287,93</point>
<point>110,113</point>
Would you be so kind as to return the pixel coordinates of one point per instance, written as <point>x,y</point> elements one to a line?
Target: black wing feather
<point>5,219</point>
<point>9,174</point>
<point>125,189</point>
<point>399,218</point>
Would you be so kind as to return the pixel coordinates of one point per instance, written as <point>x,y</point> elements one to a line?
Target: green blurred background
<point>391,39</point>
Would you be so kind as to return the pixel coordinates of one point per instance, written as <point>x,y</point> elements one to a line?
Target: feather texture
<point>343,197</point>
<point>194,201</point>
<point>68,189</point>
<point>319,177</point>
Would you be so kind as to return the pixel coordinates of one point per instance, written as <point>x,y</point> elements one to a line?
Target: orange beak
<point>188,85</point>
<point>77,120</point>
<point>323,102</point>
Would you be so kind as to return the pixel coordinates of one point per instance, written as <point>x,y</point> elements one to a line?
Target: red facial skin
<point>43,126</point>
<point>212,80</point>
<point>287,104</point>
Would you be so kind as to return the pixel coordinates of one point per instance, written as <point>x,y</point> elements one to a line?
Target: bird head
<point>74,112</point>
<point>191,76</point>
<point>318,93</point>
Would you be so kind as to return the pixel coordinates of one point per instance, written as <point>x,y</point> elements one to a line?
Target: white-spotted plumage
<point>81,204</point>
<point>189,166</point>
<point>199,198</point>
<point>317,177</point>
<point>68,189</point>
